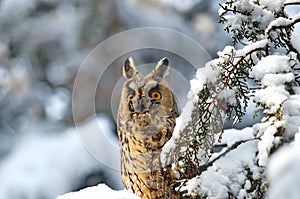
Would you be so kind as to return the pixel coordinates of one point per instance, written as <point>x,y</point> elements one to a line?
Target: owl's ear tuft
<point>162,68</point>
<point>129,69</point>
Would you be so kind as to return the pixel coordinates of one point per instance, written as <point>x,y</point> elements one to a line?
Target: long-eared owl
<point>146,120</point>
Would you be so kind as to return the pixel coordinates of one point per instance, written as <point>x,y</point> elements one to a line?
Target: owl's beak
<point>141,106</point>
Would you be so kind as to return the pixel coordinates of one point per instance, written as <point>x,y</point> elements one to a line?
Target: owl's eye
<point>130,96</point>
<point>155,95</point>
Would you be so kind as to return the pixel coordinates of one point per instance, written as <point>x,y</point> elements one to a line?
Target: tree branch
<point>291,3</point>
<point>234,146</point>
<point>276,25</point>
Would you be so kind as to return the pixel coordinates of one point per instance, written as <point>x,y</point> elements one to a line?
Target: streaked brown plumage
<point>146,120</point>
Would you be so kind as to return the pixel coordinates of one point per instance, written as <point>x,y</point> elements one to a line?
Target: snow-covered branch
<point>226,92</point>
<point>291,2</point>
<point>282,23</point>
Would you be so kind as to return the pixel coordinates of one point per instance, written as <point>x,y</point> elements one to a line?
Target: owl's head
<point>146,97</point>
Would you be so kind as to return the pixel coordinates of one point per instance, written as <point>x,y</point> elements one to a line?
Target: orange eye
<point>130,96</point>
<point>155,95</point>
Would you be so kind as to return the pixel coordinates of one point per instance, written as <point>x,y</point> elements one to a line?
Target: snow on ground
<point>97,192</point>
<point>47,163</point>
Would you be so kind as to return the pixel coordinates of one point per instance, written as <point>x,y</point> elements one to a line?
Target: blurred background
<point>42,46</point>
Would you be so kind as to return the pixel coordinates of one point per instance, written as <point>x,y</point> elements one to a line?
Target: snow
<point>229,172</point>
<point>291,1</point>
<point>273,96</point>
<point>235,171</point>
<point>270,64</point>
<point>281,22</point>
<point>283,172</point>
<point>232,136</point>
<point>181,122</point>
<point>278,22</point>
<point>290,121</point>
<point>97,192</point>
<point>274,5</point>
<point>292,115</point>
<point>295,41</point>
<point>227,96</point>
<point>204,75</point>
<point>209,73</point>
<point>273,71</point>
<point>292,106</point>
<point>169,146</point>
<point>277,79</point>
<point>265,145</point>
<point>230,50</point>
<point>257,20</point>
<point>248,48</point>
<point>47,163</point>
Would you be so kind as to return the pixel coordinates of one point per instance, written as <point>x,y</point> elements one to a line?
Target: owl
<point>146,119</point>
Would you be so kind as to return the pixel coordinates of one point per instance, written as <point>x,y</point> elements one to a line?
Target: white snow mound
<point>99,191</point>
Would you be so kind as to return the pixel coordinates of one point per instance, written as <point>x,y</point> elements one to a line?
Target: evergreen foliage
<point>266,70</point>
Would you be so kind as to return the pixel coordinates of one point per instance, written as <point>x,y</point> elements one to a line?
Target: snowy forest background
<point>42,45</point>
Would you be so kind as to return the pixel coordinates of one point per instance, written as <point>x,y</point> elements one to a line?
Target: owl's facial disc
<point>143,103</point>
<point>141,106</point>
<point>143,100</point>
<point>140,113</point>
<point>138,102</point>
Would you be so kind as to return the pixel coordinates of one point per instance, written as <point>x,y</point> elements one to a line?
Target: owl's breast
<point>141,119</point>
<point>149,130</point>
